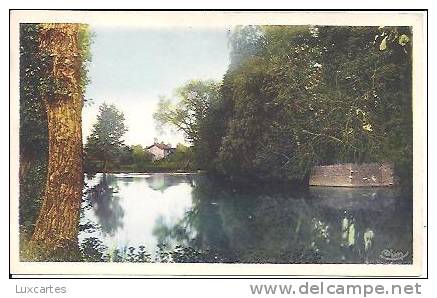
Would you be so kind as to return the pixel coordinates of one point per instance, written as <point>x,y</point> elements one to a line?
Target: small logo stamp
<point>392,255</point>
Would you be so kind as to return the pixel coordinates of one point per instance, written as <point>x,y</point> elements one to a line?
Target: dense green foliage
<point>33,122</point>
<point>298,96</point>
<point>33,129</point>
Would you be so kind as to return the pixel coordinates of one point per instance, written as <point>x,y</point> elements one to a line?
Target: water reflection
<point>106,204</point>
<point>162,181</point>
<point>192,218</point>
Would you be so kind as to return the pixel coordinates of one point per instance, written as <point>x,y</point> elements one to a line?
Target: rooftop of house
<point>161,146</point>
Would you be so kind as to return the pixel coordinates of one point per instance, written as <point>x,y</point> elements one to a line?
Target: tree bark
<point>58,221</point>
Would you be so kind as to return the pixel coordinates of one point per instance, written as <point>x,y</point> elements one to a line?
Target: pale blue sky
<point>132,67</point>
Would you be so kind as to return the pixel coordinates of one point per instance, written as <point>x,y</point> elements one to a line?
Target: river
<point>175,217</point>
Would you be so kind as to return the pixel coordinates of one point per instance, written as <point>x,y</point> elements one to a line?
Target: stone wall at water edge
<point>353,175</point>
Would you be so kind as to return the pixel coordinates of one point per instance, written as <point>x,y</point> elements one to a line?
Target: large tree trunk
<point>57,225</point>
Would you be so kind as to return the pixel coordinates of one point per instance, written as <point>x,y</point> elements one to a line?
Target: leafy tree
<point>372,84</point>
<point>192,103</point>
<point>105,140</point>
<point>197,113</point>
<point>260,90</point>
<point>318,95</point>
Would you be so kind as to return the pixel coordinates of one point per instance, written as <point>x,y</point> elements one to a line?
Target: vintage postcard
<point>214,143</point>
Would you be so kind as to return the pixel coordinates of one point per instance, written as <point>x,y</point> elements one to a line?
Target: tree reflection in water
<point>224,224</point>
<point>307,227</point>
<point>198,236</point>
<point>106,205</point>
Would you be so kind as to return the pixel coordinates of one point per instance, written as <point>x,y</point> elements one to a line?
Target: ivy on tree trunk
<point>57,225</point>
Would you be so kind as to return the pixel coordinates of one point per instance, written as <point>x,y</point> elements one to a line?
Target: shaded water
<point>192,218</point>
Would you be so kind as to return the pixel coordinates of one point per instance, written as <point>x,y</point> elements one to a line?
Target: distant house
<point>160,150</point>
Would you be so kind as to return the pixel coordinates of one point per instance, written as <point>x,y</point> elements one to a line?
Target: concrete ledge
<point>353,175</point>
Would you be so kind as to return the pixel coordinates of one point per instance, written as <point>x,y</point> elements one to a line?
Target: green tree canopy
<point>106,138</point>
<point>317,95</point>
<point>188,109</point>
<point>196,111</point>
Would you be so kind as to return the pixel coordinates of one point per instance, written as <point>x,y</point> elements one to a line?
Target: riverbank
<point>148,168</point>
<point>338,175</point>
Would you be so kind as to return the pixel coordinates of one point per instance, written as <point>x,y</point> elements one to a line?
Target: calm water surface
<point>192,218</point>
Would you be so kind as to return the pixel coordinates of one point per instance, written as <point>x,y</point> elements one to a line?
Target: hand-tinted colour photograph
<point>250,143</point>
